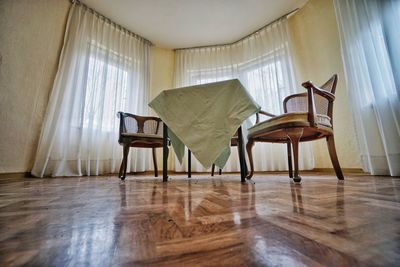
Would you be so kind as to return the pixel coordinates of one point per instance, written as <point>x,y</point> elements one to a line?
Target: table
<point>204,118</point>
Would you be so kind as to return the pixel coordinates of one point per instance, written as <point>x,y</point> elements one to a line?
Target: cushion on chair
<point>299,119</point>
<point>142,135</point>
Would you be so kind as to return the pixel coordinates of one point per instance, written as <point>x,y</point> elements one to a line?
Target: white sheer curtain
<point>262,62</point>
<point>103,69</point>
<point>370,43</point>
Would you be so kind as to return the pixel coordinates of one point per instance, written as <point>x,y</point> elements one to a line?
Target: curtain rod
<point>112,22</point>
<point>241,39</point>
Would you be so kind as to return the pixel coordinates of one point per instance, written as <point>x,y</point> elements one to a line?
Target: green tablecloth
<point>204,118</point>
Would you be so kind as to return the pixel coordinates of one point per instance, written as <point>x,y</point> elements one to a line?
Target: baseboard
<point>15,175</point>
<point>325,170</point>
<point>345,170</point>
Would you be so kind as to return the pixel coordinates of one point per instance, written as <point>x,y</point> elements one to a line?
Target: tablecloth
<point>204,118</point>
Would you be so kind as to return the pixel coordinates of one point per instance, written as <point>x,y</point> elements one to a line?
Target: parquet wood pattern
<point>202,221</point>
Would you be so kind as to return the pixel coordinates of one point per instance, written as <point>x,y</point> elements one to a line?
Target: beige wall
<point>31,34</point>
<point>316,51</point>
<point>162,70</point>
<point>162,77</point>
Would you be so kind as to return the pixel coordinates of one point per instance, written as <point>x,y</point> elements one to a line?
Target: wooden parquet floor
<point>204,221</point>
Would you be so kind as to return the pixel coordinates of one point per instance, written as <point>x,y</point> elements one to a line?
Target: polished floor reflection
<point>203,221</point>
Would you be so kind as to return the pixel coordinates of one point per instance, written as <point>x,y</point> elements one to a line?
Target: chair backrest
<point>330,85</point>
<point>299,102</point>
<point>324,104</point>
<point>130,123</point>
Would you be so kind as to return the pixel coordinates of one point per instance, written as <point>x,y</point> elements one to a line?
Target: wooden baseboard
<point>325,170</point>
<point>345,170</point>
<point>15,175</point>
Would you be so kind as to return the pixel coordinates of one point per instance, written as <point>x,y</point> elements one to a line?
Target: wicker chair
<point>139,131</point>
<point>308,116</point>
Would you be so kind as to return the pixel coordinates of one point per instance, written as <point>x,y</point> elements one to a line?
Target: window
<point>262,77</point>
<point>109,71</point>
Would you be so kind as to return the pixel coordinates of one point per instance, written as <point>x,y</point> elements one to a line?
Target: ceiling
<point>188,23</point>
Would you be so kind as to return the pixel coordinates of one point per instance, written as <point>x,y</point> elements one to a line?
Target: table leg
<point>189,163</point>
<point>165,153</point>
<point>242,159</point>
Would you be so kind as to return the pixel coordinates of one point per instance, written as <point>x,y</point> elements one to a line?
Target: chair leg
<point>155,162</point>
<point>249,147</point>
<point>289,155</point>
<point>294,135</point>
<point>121,168</point>
<point>332,153</point>
<point>124,163</point>
<point>212,169</point>
<point>165,153</point>
<point>189,164</point>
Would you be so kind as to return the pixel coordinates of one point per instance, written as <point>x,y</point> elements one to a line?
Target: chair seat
<point>294,119</point>
<point>142,135</point>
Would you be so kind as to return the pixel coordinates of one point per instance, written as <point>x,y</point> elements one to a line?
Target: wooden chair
<point>308,116</point>
<point>139,131</point>
<point>234,142</point>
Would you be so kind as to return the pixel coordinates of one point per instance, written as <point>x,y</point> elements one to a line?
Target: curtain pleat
<point>370,45</point>
<point>103,69</point>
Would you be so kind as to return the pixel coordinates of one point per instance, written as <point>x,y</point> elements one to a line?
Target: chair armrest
<point>310,86</point>
<point>263,113</point>
<point>311,90</point>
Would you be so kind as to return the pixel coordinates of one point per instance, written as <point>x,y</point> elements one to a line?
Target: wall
<point>316,51</point>
<point>162,77</point>
<point>31,35</point>
<point>162,70</point>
